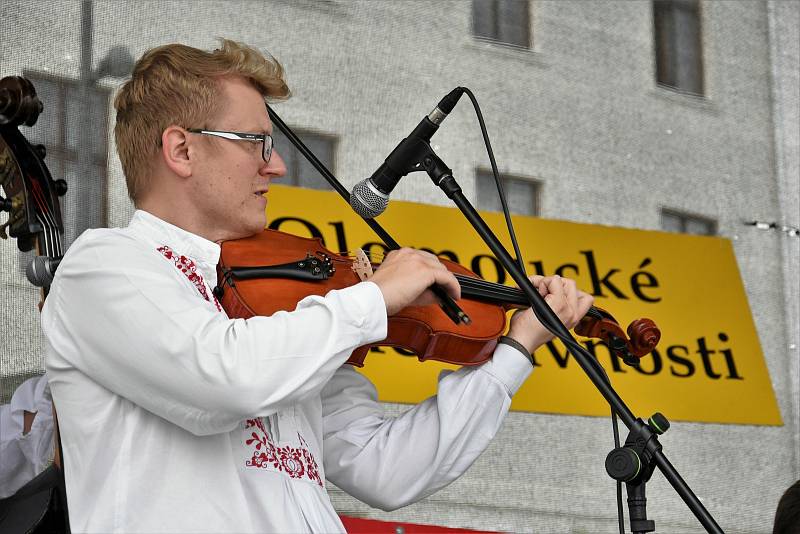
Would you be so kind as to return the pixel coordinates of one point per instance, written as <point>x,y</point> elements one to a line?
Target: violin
<point>272,271</point>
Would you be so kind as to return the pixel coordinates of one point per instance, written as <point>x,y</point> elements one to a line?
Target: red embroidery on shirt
<point>294,462</point>
<point>188,267</point>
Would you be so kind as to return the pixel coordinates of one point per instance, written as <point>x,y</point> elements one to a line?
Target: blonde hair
<point>178,85</point>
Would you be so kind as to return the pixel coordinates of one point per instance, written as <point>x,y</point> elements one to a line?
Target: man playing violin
<point>175,418</point>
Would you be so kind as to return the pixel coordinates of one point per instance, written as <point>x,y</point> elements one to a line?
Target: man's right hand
<point>405,276</point>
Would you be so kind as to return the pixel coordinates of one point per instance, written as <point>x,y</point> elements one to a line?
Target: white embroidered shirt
<point>175,418</point>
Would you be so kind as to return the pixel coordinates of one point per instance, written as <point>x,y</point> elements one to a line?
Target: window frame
<point>536,186</point>
<point>665,58</point>
<point>684,218</point>
<point>292,164</point>
<point>496,38</point>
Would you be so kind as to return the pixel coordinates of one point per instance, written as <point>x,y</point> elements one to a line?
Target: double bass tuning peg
<point>60,186</point>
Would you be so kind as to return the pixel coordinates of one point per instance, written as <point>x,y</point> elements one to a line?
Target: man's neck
<point>175,214</point>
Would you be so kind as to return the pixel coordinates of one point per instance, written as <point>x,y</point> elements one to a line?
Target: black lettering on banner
<point>313,230</point>
<point>680,363</point>
<point>538,267</point>
<point>672,354</point>
<point>649,281</point>
<point>705,354</point>
<point>571,266</point>
<point>732,374</point>
<point>341,240</point>
<point>597,282</point>
<point>657,363</point>
<point>475,266</point>
<point>616,363</point>
<point>561,360</point>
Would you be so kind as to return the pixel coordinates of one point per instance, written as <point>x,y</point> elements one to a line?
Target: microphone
<point>371,195</point>
<point>41,269</point>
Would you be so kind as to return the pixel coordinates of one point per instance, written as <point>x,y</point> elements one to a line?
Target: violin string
<point>491,289</point>
<point>468,282</point>
<point>500,292</point>
<point>373,257</point>
<point>477,283</point>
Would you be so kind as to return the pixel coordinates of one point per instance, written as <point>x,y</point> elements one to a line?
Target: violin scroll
<point>642,335</point>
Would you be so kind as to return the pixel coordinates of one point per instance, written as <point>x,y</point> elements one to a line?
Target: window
<point>504,21</point>
<point>674,221</point>
<point>59,129</point>
<point>299,171</point>
<point>522,194</point>
<point>679,57</point>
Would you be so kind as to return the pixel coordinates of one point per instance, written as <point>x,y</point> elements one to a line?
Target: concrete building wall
<point>784,18</point>
<point>582,114</point>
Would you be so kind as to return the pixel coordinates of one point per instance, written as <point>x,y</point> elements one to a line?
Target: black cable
<point>497,181</point>
<point>570,341</point>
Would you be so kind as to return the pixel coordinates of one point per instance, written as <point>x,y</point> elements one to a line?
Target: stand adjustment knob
<point>623,464</point>
<point>658,423</point>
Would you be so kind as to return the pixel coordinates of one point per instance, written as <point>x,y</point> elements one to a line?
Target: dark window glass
<point>505,21</point>
<point>299,171</point>
<point>675,221</point>
<point>522,194</point>
<point>678,49</point>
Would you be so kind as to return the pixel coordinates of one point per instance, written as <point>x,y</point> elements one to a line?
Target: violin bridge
<point>361,265</point>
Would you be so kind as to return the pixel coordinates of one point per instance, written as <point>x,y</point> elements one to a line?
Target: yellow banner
<point>708,366</point>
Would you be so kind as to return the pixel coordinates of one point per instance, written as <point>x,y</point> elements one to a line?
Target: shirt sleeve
<point>129,320</point>
<point>23,456</point>
<point>391,462</point>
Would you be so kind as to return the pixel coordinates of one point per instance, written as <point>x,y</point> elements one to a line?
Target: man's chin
<point>249,229</point>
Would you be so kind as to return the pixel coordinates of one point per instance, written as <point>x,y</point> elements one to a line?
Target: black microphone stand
<point>633,463</point>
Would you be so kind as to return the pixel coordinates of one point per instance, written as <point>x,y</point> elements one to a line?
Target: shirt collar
<point>205,253</point>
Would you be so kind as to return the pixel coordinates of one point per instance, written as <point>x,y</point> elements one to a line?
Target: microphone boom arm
<point>449,306</point>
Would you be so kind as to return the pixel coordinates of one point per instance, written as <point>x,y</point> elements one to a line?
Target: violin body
<point>279,282</point>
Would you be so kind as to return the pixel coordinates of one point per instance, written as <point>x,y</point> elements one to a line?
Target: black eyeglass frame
<point>266,140</point>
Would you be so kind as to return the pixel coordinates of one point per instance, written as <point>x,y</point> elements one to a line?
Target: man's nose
<point>275,167</point>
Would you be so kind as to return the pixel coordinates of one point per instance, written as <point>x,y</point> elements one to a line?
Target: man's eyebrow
<point>260,130</point>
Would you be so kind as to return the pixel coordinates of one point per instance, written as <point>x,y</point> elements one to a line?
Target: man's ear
<point>175,150</point>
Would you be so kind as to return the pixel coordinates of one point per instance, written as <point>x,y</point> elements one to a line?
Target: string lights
<point>791,231</point>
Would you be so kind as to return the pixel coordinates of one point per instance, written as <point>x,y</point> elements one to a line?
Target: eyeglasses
<point>264,139</point>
